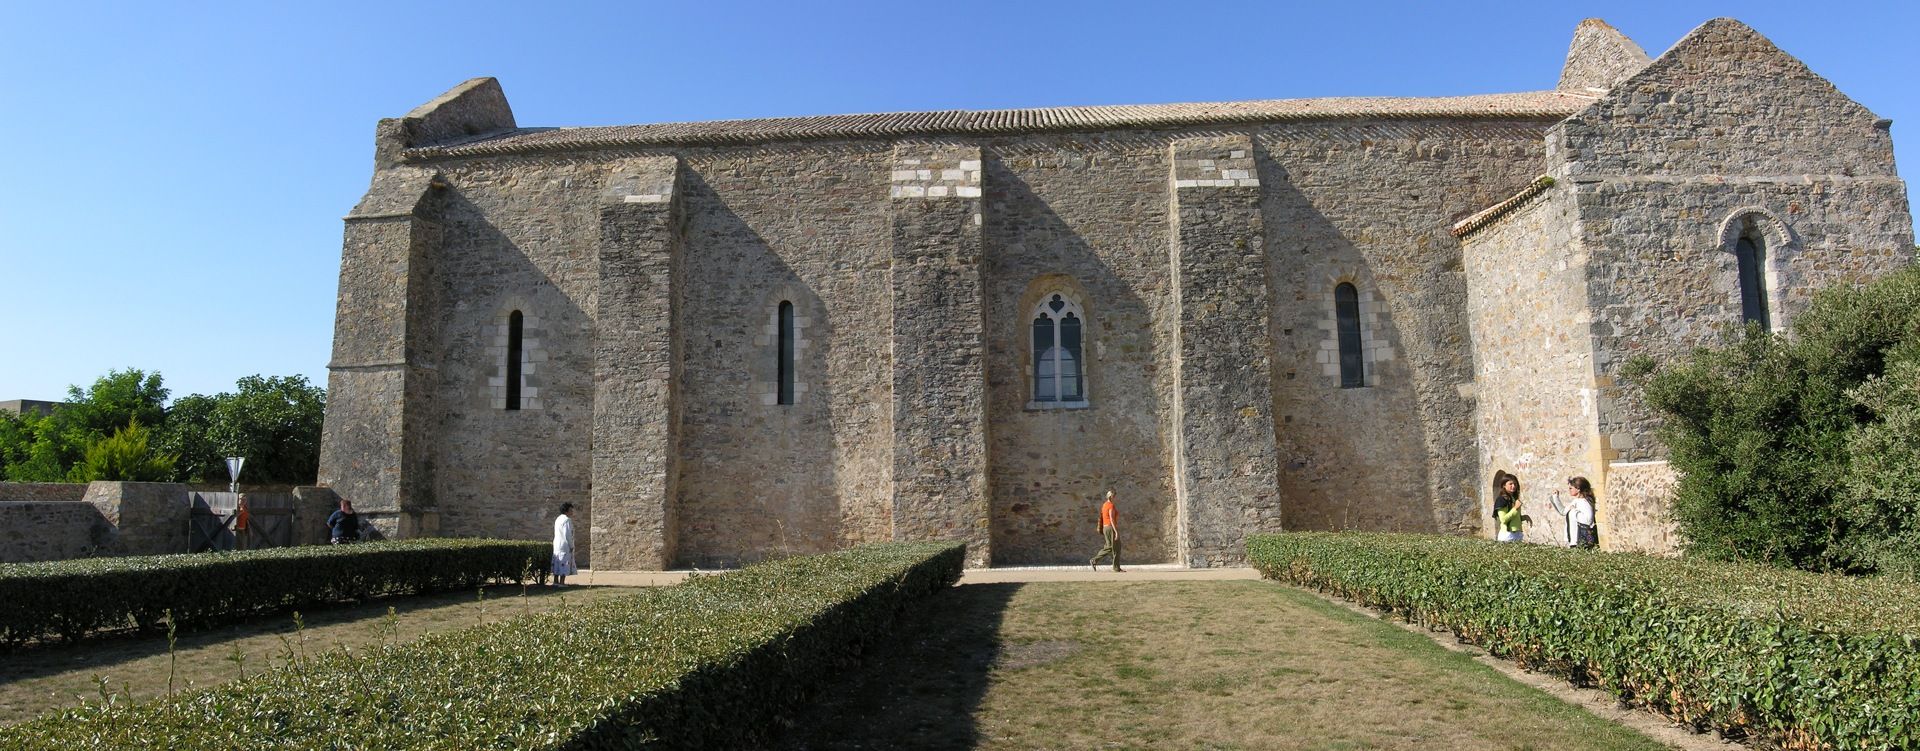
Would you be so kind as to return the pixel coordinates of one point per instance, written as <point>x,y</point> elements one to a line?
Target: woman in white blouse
<point>1581,532</point>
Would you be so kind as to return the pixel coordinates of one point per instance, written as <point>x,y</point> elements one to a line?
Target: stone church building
<point>730,340</point>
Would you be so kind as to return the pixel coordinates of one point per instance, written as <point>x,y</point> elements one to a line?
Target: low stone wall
<point>32,531</point>
<point>59,521</point>
<point>311,507</point>
<point>1633,509</point>
<point>148,518</point>
<point>42,491</point>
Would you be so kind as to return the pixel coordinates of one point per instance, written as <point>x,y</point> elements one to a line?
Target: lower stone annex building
<point>730,340</point>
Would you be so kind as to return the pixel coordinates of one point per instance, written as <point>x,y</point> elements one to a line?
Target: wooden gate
<point>214,515</point>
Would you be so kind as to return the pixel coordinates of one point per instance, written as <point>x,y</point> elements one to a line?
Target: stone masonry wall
<point>1202,259</point>
<point>1725,101</point>
<point>1369,203</point>
<point>1526,295</point>
<point>1085,216</point>
<point>51,530</point>
<point>1665,279</point>
<point>42,491</point>
<point>146,518</point>
<point>1225,477</point>
<point>1721,130</point>
<point>939,367</point>
<point>518,235</point>
<point>636,371</point>
<point>374,448</point>
<point>1633,514</point>
<point>807,225</point>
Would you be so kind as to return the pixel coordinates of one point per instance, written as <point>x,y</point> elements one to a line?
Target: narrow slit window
<point>515,329</point>
<point>1751,253</point>
<point>1346,308</point>
<point>786,353</point>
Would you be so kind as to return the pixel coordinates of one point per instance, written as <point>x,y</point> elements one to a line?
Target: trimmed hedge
<point>705,664</point>
<point>1797,660</point>
<point>71,598</point>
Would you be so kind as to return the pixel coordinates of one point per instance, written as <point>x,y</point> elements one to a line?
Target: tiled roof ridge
<point>1486,216</point>
<point>1534,104</point>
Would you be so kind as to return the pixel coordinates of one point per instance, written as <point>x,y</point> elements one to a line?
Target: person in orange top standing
<point>1110,530</point>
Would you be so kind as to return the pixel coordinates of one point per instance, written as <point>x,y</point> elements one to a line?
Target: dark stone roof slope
<point>1527,105</point>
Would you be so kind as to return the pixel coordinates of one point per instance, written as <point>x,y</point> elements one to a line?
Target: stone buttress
<point>1225,481</point>
<point>939,348</point>
<point>636,367</point>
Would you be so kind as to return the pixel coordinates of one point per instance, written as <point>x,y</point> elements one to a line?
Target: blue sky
<point>175,175</point>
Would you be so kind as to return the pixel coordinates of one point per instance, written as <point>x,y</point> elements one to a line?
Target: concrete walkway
<point>1153,572</point>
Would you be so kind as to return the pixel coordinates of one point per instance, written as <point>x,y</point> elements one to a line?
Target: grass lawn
<point>56,676</point>
<point>1177,665</point>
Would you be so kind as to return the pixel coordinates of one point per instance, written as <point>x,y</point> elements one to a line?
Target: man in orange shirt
<point>1111,531</point>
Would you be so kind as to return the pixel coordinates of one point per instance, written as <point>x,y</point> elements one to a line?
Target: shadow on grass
<point>107,649</point>
<point>919,688</point>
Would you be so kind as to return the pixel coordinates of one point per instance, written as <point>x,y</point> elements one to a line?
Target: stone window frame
<point>1030,367</point>
<point>765,368</point>
<point>1375,350</point>
<point>1778,248</point>
<point>532,354</point>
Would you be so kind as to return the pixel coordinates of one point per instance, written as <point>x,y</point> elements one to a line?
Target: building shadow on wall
<point>921,687</point>
<point>756,481</point>
<point>1049,468</point>
<point>1349,458</point>
<point>493,472</point>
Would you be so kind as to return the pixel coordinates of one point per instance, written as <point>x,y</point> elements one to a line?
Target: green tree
<point>59,441</point>
<point>1788,446</point>
<point>274,421</point>
<point>1883,482</point>
<point>125,456</point>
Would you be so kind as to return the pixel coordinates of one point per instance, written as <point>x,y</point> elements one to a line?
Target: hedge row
<point>71,598</point>
<point>706,664</point>
<point>1791,659</point>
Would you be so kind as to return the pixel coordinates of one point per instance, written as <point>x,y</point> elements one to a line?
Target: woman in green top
<point>1506,507</point>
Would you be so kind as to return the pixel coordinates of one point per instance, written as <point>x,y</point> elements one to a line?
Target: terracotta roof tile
<point>1537,104</point>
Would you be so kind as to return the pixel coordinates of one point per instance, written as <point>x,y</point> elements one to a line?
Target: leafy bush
<point>273,421</point>
<point>125,456</point>
<point>71,598</point>
<point>37,448</point>
<point>705,664</point>
<point>1766,431</point>
<point>1882,498</point>
<point>1799,660</point>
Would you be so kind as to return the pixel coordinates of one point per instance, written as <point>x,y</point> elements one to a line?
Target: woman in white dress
<point>563,545</point>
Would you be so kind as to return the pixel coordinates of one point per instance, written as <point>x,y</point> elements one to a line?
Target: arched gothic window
<point>515,331</point>
<point>785,355</point>
<point>1059,370</point>
<point>1346,309</point>
<point>1750,252</point>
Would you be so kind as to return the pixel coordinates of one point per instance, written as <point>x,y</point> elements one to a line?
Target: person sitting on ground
<point>563,546</point>
<point>344,524</point>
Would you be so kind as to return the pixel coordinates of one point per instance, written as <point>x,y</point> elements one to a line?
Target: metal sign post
<point>233,471</point>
